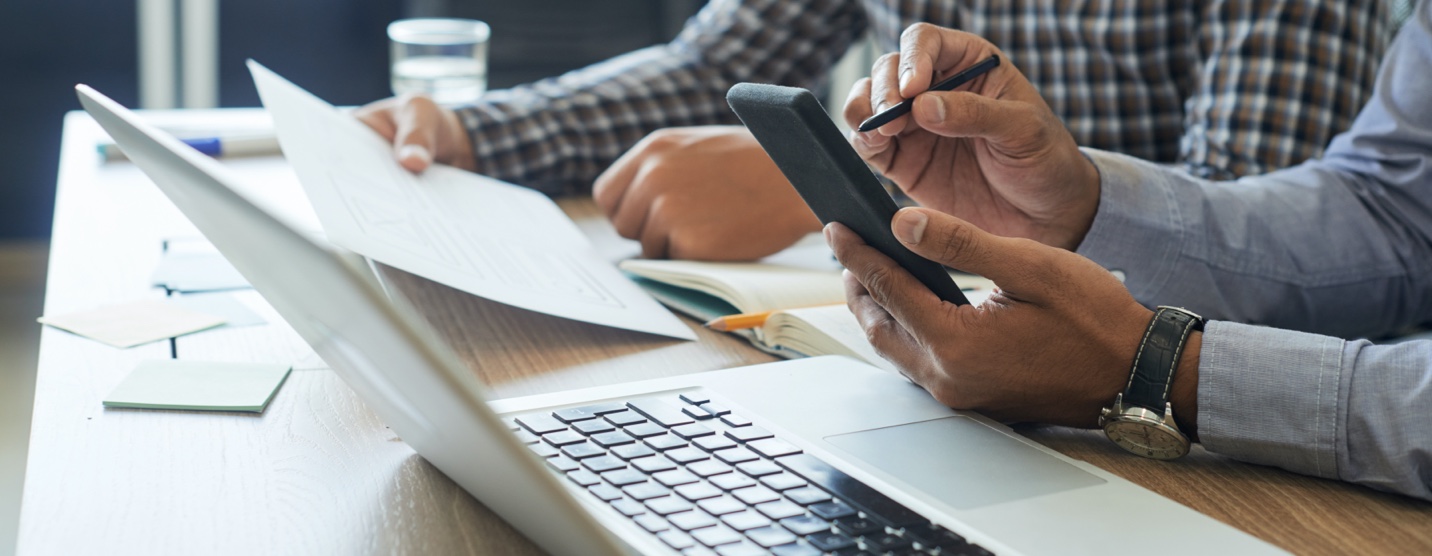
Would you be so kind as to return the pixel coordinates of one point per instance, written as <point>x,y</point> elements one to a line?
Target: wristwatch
<point>1141,419</point>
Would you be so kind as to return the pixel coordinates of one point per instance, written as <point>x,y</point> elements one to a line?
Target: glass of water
<point>445,59</point>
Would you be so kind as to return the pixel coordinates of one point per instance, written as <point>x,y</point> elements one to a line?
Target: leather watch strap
<point>1158,357</point>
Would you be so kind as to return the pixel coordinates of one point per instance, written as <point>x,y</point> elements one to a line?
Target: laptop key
<point>698,491</point>
<point>687,521</point>
<point>694,430</point>
<point>653,524</point>
<point>660,412</point>
<point>540,424</point>
<point>653,464</point>
<point>645,491</point>
<point>593,427</point>
<point>755,495</point>
<point>716,536</point>
<point>759,468</point>
<point>770,536</point>
<point>830,542</point>
<point>563,438</point>
<point>733,420</point>
<point>855,525</point>
<point>605,492</point>
<point>844,486</point>
<point>602,464</point>
<point>748,519</point>
<point>629,507</point>
<point>832,510</point>
<point>884,542</point>
<point>715,409</point>
<point>526,437</point>
<point>624,477</point>
<point>795,549</point>
<point>583,450</point>
<point>721,506</point>
<point>575,414</point>
<point>709,468</point>
<point>584,478</point>
<point>773,447</point>
<point>743,548</point>
<point>783,481</point>
<point>780,509</point>
<point>686,455</point>
<point>676,539</point>
<point>611,439</point>
<point>563,464</point>
<point>714,442</point>
<point>675,477</point>
<point>663,442</point>
<point>806,496</point>
<point>644,430</point>
<point>695,412</point>
<point>747,434</point>
<point>543,449</point>
<point>735,455</point>
<point>805,524</point>
<point>666,505</point>
<point>625,417</point>
<point>512,423</point>
<point>731,481</point>
<point>695,397</point>
<point>632,451</point>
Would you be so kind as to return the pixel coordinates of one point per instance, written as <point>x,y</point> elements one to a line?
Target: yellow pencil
<point>739,322</point>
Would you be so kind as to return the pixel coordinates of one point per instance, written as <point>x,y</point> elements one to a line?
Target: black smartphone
<point>795,130</point>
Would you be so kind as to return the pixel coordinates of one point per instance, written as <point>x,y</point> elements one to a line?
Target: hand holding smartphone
<point>793,128</point>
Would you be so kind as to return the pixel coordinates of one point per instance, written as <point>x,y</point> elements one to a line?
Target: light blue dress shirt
<point>1332,249</point>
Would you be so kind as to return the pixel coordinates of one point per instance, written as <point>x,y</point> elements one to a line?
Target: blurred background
<point>338,49</point>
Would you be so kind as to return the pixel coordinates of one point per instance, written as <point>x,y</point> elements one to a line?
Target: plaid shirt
<point>1222,88</point>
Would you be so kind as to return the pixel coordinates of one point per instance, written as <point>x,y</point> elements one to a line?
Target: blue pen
<point>249,145</point>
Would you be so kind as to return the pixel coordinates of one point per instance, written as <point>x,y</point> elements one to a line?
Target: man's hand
<point>708,193</point>
<point>421,132</point>
<point>1054,344</point>
<point>990,152</point>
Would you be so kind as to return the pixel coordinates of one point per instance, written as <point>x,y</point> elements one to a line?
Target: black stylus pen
<point>889,114</point>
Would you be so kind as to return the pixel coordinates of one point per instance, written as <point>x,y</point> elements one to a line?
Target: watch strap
<point>1158,357</point>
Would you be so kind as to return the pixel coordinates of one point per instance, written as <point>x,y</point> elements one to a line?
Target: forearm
<point>557,135</point>
<point>1307,249</point>
<point>1318,405</point>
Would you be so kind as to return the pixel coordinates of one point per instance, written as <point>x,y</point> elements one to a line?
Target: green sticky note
<point>198,385</point>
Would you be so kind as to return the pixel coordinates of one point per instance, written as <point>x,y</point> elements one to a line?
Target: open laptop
<point>822,455</point>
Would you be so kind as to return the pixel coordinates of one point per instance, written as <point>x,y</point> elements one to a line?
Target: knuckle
<point>957,244</point>
<point>877,282</point>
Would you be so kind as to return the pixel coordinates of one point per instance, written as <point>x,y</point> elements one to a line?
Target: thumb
<point>1011,263</point>
<point>967,114</point>
<point>415,139</point>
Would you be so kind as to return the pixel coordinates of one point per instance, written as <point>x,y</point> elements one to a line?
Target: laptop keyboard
<point>707,481</point>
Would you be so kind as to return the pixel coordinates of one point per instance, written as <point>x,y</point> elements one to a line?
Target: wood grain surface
<point>317,473</point>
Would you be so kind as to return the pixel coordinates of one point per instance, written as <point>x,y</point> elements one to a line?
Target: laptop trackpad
<point>962,462</point>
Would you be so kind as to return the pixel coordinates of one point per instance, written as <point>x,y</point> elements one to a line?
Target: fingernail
<point>826,231</point>
<point>910,226</point>
<point>415,151</point>
<point>904,79</point>
<point>934,104</point>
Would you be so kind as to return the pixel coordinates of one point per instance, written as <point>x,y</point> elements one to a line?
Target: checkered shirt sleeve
<point>558,134</point>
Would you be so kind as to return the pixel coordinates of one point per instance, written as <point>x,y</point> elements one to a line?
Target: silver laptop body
<point>972,477</point>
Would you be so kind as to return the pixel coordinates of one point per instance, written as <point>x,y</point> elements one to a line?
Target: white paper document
<point>482,236</point>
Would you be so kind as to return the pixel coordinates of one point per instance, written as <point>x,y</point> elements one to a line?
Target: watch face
<point>1147,440</point>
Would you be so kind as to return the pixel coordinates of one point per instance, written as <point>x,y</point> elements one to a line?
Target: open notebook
<point>802,284</point>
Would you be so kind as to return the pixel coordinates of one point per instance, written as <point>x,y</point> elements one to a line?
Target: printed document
<point>489,238</point>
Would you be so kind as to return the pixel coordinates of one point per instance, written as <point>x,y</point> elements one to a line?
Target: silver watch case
<point>1142,431</point>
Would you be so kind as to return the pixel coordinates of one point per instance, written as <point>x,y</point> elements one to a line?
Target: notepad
<point>132,324</point>
<point>200,386</point>
<point>802,285</point>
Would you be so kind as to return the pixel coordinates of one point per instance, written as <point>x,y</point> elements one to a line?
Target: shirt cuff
<point>1138,229</point>
<point>1270,396</point>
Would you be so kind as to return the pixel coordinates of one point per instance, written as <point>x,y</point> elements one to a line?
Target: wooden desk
<point>318,473</point>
